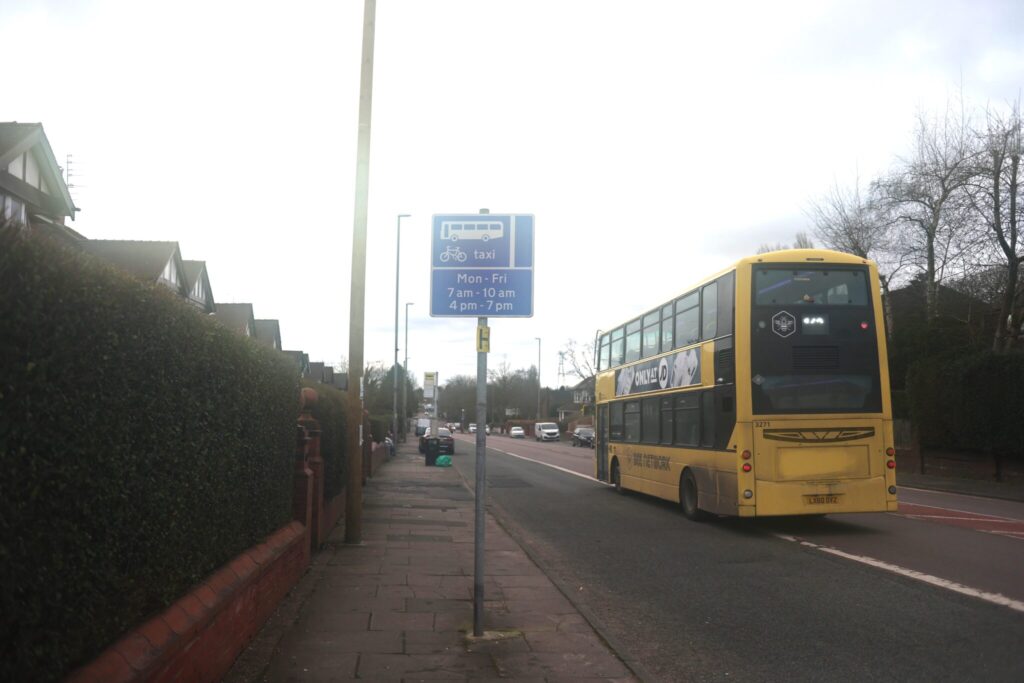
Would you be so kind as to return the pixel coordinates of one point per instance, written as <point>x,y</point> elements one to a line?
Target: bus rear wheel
<point>688,498</point>
<point>616,477</point>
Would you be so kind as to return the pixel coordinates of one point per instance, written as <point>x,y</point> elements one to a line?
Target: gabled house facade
<point>268,333</point>
<point>33,194</point>
<point>197,284</point>
<point>301,361</point>
<point>158,262</point>
<point>237,317</point>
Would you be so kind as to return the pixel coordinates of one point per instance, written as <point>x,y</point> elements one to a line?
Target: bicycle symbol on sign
<point>453,253</point>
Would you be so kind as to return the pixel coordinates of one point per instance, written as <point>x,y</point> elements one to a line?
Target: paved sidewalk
<point>399,607</point>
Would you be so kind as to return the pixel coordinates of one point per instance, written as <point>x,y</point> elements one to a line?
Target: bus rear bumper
<point>822,497</point>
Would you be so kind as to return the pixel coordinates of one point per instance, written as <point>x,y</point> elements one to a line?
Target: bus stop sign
<point>481,265</point>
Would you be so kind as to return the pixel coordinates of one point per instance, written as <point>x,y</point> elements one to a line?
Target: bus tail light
<point>892,490</point>
<point>891,464</point>
<point>745,455</point>
<point>890,451</point>
<point>746,467</point>
<point>748,494</point>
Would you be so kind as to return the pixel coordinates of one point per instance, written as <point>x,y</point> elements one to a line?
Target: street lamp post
<point>538,377</point>
<point>405,371</point>
<point>398,262</point>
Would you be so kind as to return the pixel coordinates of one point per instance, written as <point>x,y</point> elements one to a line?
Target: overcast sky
<point>654,141</point>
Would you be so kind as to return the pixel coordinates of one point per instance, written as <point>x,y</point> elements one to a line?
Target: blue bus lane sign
<point>481,265</point>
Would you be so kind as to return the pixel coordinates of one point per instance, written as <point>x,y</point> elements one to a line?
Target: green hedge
<point>970,403</point>
<point>142,445</point>
<point>331,411</point>
<point>380,425</point>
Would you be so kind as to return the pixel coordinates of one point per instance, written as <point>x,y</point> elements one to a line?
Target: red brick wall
<point>199,636</point>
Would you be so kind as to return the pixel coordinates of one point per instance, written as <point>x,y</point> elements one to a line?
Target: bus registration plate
<point>822,499</point>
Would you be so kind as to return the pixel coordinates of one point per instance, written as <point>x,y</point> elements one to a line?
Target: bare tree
<point>580,358</point>
<point>924,197</point>
<point>765,247</point>
<point>995,199</point>
<point>847,220</point>
<point>803,241</point>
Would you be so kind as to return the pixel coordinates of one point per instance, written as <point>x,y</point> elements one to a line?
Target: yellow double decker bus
<point>764,390</point>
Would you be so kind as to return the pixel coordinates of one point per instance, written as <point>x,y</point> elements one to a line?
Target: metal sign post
<point>480,488</point>
<point>481,265</point>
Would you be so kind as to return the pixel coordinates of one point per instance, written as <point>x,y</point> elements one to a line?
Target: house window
<point>17,167</point>
<point>170,273</point>
<point>13,210</point>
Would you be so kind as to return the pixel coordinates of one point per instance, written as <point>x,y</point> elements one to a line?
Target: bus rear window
<point>806,286</point>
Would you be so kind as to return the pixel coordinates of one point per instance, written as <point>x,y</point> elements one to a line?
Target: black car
<point>583,436</point>
<point>444,435</point>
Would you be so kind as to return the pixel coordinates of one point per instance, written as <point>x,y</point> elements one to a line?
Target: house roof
<point>910,301</point>
<point>17,138</point>
<point>237,317</point>
<point>301,361</point>
<point>268,333</point>
<point>145,260</point>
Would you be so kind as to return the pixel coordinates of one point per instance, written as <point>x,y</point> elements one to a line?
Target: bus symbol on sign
<point>472,230</point>
<point>783,324</point>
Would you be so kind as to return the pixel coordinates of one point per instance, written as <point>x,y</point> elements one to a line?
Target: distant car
<point>583,436</point>
<point>422,425</point>
<point>487,429</point>
<point>444,435</point>
<point>447,442</point>
<point>517,433</point>
<point>546,431</point>
<point>472,428</point>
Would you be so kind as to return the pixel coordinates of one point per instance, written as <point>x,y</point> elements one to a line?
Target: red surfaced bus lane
<point>1003,526</point>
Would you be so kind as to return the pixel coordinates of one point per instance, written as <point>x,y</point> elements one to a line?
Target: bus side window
<point>709,311</point>
<point>633,341</point>
<point>615,422</point>
<point>650,423</point>
<point>651,333</point>
<point>617,350</point>
<point>666,328</point>
<point>666,420</point>
<point>726,304</point>
<point>707,400</point>
<point>687,420</point>
<point>687,319</point>
<point>632,422</point>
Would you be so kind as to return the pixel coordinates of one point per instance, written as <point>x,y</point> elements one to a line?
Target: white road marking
<point>547,464</point>
<point>554,467</point>
<point>994,598</point>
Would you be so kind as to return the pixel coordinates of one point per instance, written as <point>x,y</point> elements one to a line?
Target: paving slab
<point>399,607</point>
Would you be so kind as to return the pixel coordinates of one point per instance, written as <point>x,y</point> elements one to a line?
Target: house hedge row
<point>142,447</point>
<point>973,402</point>
<point>331,411</point>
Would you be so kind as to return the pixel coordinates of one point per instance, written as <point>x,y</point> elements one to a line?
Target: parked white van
<point>545,431</point>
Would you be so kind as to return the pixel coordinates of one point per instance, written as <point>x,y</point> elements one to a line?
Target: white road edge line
<point>994,598</point>
<point>546,464</point>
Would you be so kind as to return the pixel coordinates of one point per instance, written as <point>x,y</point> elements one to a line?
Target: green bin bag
<point>443,461</point>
